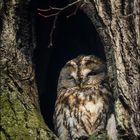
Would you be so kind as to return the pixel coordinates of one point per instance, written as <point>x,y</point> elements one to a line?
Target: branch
<point>58,10</point>
<point>55,12</point>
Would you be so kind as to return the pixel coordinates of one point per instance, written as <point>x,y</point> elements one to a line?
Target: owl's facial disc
<point>82,71</point>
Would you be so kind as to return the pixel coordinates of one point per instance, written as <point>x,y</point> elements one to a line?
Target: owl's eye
<point>93,73</point>
<point>70,77</point>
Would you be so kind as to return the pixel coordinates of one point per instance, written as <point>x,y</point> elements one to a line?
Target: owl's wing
<point>60,128</point>
<point>58,117</point>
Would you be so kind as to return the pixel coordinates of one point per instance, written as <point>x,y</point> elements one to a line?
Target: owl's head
<point>82,71</point>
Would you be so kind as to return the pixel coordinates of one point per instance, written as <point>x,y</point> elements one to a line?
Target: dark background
<point>73,36</point>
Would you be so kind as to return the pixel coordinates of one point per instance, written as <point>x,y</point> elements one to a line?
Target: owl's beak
<point>79,82</point>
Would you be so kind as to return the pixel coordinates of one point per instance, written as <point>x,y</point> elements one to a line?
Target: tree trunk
<point>118,24</point>
<point>20,114</point>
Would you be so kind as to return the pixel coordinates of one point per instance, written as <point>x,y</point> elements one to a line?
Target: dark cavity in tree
<point>73,36</point>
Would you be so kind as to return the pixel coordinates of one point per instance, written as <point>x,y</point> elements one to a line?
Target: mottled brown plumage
<point>83,98</point>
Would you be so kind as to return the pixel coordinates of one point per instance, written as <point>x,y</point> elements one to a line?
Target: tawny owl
<point>83,98</point>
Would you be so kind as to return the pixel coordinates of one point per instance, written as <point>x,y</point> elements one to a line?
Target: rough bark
<point>20,114</point>
<point>118,24</point>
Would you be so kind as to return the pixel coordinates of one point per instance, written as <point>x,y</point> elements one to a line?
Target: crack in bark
<point>19,88</point>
